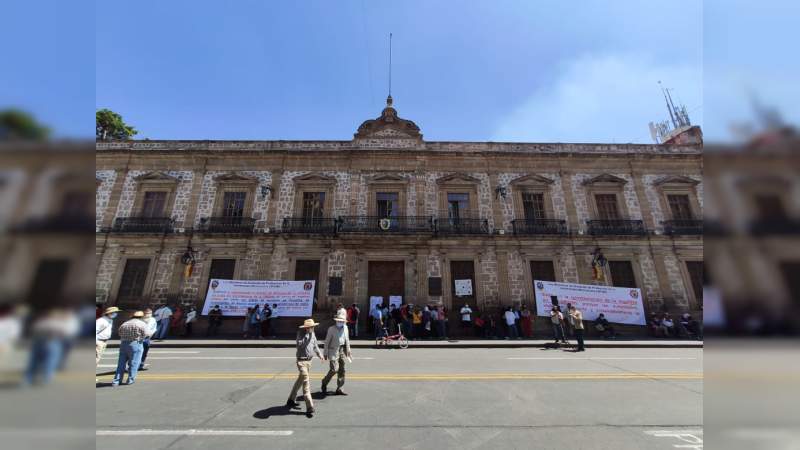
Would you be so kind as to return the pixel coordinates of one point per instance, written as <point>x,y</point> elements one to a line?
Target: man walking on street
<point>306,349</point>
<point>102,333</point>
<point>337,350</point>
<point>577,319</point>
<point>131,335</point>
<point>151,325</point>
<point>162,315</point>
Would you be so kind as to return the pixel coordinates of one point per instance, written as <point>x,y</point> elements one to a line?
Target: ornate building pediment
<point>605,178</point>
<point>234,178</point>
<point>156,177</point>
<point>388,126</point>
<point>317,178</point>
<point>675,179</point>
<point>458,178</point>
<point>532,179</point>
<point>387,178</point>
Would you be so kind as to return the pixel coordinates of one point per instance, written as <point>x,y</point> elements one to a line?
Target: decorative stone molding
<point>389,126</point>
<point>605,178</point>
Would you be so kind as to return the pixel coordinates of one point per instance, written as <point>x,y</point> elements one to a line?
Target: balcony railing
<point>308,225</point>
<point>465,222</point>
<point>539,226</point>
<point>142,225</point>
<point>775,227</point>
<point>616,227</point>
<point>377,224</point>
<point>683,227</point>
<point>240,225</point>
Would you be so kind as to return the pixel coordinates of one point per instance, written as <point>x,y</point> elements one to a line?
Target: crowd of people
<point>662,325</point>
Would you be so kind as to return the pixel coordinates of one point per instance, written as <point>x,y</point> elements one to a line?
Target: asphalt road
<point>409,399</point>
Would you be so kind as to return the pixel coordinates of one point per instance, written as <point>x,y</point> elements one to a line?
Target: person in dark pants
<point>214,321</point>
<point>266,313</point>
<point>577,318</point>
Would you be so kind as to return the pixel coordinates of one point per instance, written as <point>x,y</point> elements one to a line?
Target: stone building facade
<point>500,214</point>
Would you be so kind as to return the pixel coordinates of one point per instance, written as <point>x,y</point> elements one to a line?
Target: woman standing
<point>527,322</point>
<point>246,323</point>
<point>191,316</point>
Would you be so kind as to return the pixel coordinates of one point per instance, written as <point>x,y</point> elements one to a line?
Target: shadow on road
<point>278,411</point>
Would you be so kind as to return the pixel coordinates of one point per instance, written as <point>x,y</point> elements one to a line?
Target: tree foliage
<point>111,127</point>
<point>18,124</point>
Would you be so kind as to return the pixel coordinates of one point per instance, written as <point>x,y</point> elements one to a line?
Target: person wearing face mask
<point>306,349</point>
<point>337,350</point>
<point>152,326</point>
<point>102,329</point>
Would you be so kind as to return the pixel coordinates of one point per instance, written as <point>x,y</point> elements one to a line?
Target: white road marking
<point>156,352</point>
<point>233,357</point>
<point>194,432</point>
<point>542,358</point>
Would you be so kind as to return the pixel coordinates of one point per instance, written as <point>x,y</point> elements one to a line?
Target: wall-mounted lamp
<point>500,191</point>
<point>266,190</point>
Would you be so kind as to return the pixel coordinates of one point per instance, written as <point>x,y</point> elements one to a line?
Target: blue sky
<point>542,71</point>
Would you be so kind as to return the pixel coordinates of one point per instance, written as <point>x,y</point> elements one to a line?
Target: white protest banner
<point>463,288</point>
<point>396,300</point>
<point>620,305</point>
<point>294,298</point>
<point>375,300</point>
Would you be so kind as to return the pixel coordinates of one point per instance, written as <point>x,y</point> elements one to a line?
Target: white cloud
<point>608,98</point>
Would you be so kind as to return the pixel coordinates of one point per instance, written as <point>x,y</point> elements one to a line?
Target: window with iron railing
<point>313,205</point>
<point>233,204</point>
<point>607,208</point>
<point>457,205</point>
<point>622,274</point>
<point>533,205</point>
<point>387,204</point>
<point>679,206</point>
<point>153,204</point>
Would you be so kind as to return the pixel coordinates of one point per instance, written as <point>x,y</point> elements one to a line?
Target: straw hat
<point>138,314</point>
<point>111,310</point>
<point>309,323</point>
<point>340,317</point>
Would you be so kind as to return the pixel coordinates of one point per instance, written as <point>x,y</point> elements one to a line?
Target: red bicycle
<point>398,338</point>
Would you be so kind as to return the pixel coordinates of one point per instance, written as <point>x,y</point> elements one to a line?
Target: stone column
<point>197,186</point>
<point>113,198</point>
<point>569,201</point>
<point>644,205</point>
<point>503,290</point>
<point>497,207</point>
<point>272,209</point>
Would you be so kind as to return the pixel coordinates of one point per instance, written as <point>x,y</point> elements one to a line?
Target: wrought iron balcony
<point>775,227</point>
<point>378,224</point>
<point>539,226</point>
<point>240,225</point>
<point>462,223</point>
<point>309,225</point>
<point>683,227</point>
<point>616,227</point>
<point>142,225</point>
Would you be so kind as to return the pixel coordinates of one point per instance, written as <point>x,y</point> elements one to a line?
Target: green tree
<point>110,126</point>
<point>18,124</point>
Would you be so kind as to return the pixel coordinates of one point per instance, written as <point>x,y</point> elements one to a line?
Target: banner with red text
<point>294,298</point>
<point>620,305</point>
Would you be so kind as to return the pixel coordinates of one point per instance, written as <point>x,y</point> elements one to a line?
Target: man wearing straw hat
<point>337,348</point>
<point>306,349</point>
<point>102,333</point>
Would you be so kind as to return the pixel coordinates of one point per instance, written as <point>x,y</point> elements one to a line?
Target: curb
<point>437,345</point>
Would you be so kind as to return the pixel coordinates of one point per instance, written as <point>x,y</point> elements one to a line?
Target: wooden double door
<point>386,278</point>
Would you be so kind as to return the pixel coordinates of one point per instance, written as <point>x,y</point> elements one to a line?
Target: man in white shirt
<point>102,333</point>
<point>466,318</point>
<point>191,317</point>
<point>511,320</point>
<point>162,315</point>
<point>151,326</point>
<point>337,351</point>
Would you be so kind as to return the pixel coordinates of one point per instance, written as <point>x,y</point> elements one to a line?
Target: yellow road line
<point>426,377</point>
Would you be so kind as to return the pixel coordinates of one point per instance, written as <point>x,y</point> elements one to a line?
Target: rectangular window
<point>233,204</point>
<point>533,205</point>
<point>76,204</point>
<point>543,271</point>
<point>308,269</point>
<point>313,205</point>
<point>607,206</point>
<point>770,207</point>
<point>695,269</point>
<point>131,287</point>
<point>388,203</point>
<point>457,205</point>
<point>48,283</point>
<point>622,274</point>
<point>679,205</point>
<point>153,204</point>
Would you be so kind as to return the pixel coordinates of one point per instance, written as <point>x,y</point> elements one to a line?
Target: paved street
<point>417,398</point>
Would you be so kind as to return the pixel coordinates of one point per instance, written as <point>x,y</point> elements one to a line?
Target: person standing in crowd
<point>668,325</point>
<point>266,313</point>
<point>102,333</point>
<point>214,321</point>
<point>152,326</point>
<point>352,319</point>
<point>390,319</point>
<point>191,316</point>
<point>273,320</point>
<point>306,349</point>
<point>339,309</point>
<point>435,321</point>
<point>131,335</point>
<point>445,320</point>
<point>441,316</point>
<point>690,327</point>
<point>177,321</point>
<point>48,332</point>
<point>517,321</point>
<point>479,329</point>
<point>466,319</point>
<point>426,322</point>
<point>162,315</point>
<point>577,321</point>
<point>246,323</point>
<point>255,322</point>
<point>377,321</point>
<point>556,318</point>
<point>527,322</point>
<point>416,323</point>
<point>569,325</point>
<point>511,319</point>
<point>337,351</point>
<point>397,319</point>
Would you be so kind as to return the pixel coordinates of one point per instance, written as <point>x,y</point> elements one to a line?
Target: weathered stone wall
<point>107,179</point>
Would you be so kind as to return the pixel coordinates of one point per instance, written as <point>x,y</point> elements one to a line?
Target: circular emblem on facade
<point>214,284</point>
<point>540,285</point>
<point>385,224</point>
<point>307,286</point>
<point>634,294</point>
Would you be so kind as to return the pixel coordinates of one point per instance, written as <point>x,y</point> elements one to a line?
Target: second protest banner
<point>620,305</point>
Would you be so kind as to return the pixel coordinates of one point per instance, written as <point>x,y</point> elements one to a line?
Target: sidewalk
<point>465,343</point>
